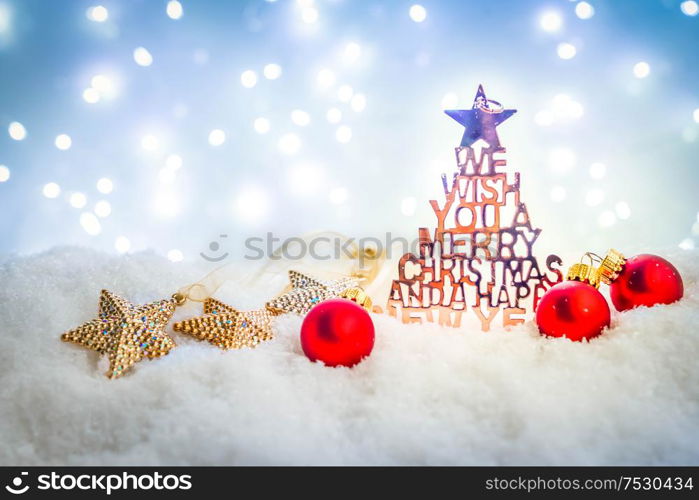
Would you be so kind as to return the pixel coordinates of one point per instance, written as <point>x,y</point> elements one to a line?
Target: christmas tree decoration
<point>481,255</point>
<point>337,332</point>
<point>125,332</point>
<point>575,308</point>
<point>481,120</point>
<point>642,280</point>
<point>307,292</point>
<point>228,328</point>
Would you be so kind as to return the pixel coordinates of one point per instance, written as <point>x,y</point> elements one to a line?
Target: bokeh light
<point>77,200</point>
<point>122,244</point>
<point>689,8</point>
<point>51,190</point>
<point>551,21</point>
<point>97,13</point>
<point>343,134</point>
<point>272,71</point>
<point>333,115</point>
<point>174,9</point>
<point>105,185</point>
<point>4,173</point>
<point>217,137</point>
<point>248,78</point>
<point>641,69</point>
<point>417,13</point>
<point>289,144</point>
<point>63,142</point>
<point>584,10</point>
<point>17,131</point>
<point>300,117</point>
<point>142,56</point>
<point>566,50</point>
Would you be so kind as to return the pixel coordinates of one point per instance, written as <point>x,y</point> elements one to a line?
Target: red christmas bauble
<point>646,280</point>
<point>572,309</point>
<point>337,332</point>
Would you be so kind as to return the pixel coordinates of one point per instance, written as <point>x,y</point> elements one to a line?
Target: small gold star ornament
<point>228,328</point>
<point>306,292</point>
<point>126,332</point>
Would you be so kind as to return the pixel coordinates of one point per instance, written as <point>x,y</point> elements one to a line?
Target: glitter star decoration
<point>228,328</point>
<point>306,292</point>
<point>125,332</point>
<point>481,120</point>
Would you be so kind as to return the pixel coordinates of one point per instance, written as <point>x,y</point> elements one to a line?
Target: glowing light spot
<point>289,144</point>
<point>77,200</point>
<point>175,255</point>
<point>150,142</point>
<point>407,206</point>
<point>272,71</point>
<point>558,194</point>
<point>90,223</point>
<point>173,162</point>
<point>105,185</point>
<point>689,8</point>
<point>351,53</point>
<point>686,244</point>
<point>103,208</point>
<point>304,179</point>
<point>344,93</point>
<point>248,78</point>
<point>450,100</point>
<point>51,190</point>
<point>103,84</point>
<point>641,69</point>
<point>309,15</point>
<point>606,219</point>
<point>343,134</point>
<point>561,160</point>
<point>622,209</point>
<point>305,3</point>
<point>333,115</point>
<point>251,204</point>
<point>325,78</point>
<point>300,118</point>
<point>598,170</point>
<point>551,21</point>
<point>174,9</point>
<point>584,10</point>
<point>122,244</point>
<point>17,131</point>
<point>142,56</point>
<point>338,196</point>
<point>566,50</point>
<point>97,13</point>
<point>63,142</point>
<point>358,103</point>
<point>262,125</point>
<point>695,115</point>
<point>594,197</point>
<point>217,137</point>
<point>4,173</point>
<point>91,95</point>
<point>544,118</point>
<point>417,13</point>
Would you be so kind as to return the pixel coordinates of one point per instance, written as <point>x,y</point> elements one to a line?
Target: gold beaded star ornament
<point>228,328</point>
<point>306,292</point>
<point>125,332</point>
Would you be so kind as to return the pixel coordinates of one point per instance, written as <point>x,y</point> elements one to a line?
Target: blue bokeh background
<point>591,108</point>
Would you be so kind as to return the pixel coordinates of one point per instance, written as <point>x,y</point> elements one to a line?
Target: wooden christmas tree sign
<point>480,256</point>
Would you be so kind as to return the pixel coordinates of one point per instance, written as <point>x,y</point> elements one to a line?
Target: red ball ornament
<point>572,309</point>
<point>337,332</point>
<point>646,280</point>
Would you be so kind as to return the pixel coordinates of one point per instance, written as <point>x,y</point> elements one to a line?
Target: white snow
<point>427,395</point>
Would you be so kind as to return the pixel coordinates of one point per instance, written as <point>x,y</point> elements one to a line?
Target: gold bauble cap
<point>585,273</point>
